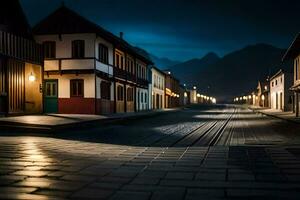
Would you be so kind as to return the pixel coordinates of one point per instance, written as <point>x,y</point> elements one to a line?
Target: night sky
<point>184,29</point>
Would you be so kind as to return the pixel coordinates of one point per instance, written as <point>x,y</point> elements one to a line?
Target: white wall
<point>277,89</point>
<point>64,84</point>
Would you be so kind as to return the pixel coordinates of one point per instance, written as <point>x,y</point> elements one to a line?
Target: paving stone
<point>125,195</point>
<point>179,175</point>
<point>211,176</point>
<point>145,181</point>
<point>240,177</point>
<point>91,193</point>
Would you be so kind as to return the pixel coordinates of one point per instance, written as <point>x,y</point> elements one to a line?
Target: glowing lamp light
<point>214,100</point>
<point>263,97</point>
<point>31,77</point>
<point>198,95</point>
<point>249,97</point>
<point>185,94</point>
<point>194,87</point>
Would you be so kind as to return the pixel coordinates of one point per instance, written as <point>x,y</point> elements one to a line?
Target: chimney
<point>121,35</point>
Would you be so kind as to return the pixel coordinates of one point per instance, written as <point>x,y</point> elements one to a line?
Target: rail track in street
<point>207,133</point>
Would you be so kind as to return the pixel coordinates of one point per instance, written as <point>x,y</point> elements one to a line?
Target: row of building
<point>67,64</point>
<point>280,91</point>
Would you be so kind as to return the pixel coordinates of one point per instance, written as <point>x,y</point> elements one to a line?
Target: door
<point>51,96</point>
<point>157,101</point>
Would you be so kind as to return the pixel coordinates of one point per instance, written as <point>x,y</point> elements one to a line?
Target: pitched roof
<point>67,21</point>
<point>13,19</point>
<point>293,50</point>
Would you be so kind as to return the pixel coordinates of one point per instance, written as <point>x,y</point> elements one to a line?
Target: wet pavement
<point>215,153</point>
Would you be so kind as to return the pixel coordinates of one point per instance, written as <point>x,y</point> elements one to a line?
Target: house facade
<point>263,94</point>
<point>21,70</point>
<point>158,88</point>
<point>87,70</point>
<point>172,90</point>
<point>281,96</point>
<point>293,53</point>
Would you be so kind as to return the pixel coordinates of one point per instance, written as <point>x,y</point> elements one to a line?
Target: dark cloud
<point>182,29</point>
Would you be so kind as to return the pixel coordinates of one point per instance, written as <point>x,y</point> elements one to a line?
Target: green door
<point>51,97</point>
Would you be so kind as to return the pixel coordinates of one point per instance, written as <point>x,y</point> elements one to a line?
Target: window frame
<point>77,82</point>
<point>103,53</point>
<point>49,48</point>
<point>78,49</point>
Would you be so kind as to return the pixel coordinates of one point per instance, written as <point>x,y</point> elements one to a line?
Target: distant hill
<point>235,73</point>
<point>185,70</point>
<point>162,63</point>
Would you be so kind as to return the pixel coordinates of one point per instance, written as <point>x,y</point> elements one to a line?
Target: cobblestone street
<point>216,153</point>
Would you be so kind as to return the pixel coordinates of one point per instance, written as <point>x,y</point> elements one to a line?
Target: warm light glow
<point>185,94</point>
<point>198,95</point>
<point>266,87</point>
<point>31,77</point>
<point>241,98</point>
<point>194,87</point>
<point>263,97</point>
<point>214,100</point>
<point>249,97</point>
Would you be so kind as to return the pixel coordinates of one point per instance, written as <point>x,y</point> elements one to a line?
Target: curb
<point>44,129</point>
<point>274,116</point>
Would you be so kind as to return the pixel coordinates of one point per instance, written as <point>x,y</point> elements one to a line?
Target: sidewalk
<point>288,115</point>
<point>50,122</point>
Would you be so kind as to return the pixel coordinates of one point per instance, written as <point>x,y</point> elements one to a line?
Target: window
<point>272,83</point>
<point>120,93</point>
<point>119,60</point>
<point>296,68</point>
<point>275,82</point>
<point>103,53</point>
<point>78,49</point>
<point>145,97</point>
<point>130,64</point>
<point>142,97</point>
<point>49,49</point>
<point>76,87</point>
<point>129,94</point>
<point>105,90</point>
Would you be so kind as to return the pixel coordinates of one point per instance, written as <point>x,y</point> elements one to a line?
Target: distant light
<point>185,94</point>
<point>194,87</point>
<point>266,87</point>
<point>263,97</point>
<point>249,97</point>
<point>214,100</point>
<point>198,95</point>
<point>169,72</point>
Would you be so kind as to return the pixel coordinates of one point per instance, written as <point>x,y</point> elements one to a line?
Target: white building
<point>158,88</point>
<point>88,70</point>
<point>281,96</point>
